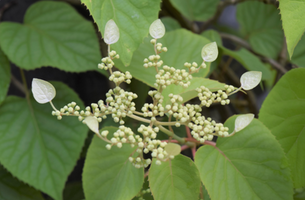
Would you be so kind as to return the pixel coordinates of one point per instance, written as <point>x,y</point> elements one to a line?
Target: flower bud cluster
<point>193,68</point>
<point>153,145</point>
<point>207,97</point>
<point>205,129</point>
<point>120,103</point>
<point>170,75</point>
<point>70,109</point>
<point>107,62</point>
<point>118,77</point>
<point>158,46</point>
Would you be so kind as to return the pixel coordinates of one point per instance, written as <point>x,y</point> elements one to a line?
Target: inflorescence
<point>119,105</point>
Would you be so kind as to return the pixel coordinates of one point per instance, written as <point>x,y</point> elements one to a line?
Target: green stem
<point>53,106</point>
<point>234,91</point>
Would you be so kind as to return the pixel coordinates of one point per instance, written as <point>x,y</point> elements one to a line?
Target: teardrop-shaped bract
<point>92,123</point>
<point>157,29</point>
<point>209,52</point>
<point>112,33</point>
<point>242,121</point>
<point>172,149</point>
<point>250,80</point>
<point>43,91</point>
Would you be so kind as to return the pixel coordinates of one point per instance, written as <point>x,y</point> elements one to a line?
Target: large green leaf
<point>243,56</point>
<point>11,188</point>
<point>249,165</point>
<point>298,57</point>
<point>190,92</point>
<point>283,112</point>
<point>175,179</point>
<point>5,75</point>
<point>176,42</point>
<point>108,174</point>
<point>133,17</point>
<point>293,15</point>
<point>35,146</point>
<point>262,29</point>
<point>53,34</point>
<point>196,10</point>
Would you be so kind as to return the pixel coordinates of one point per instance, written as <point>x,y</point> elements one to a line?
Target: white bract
<point>111,34</point>
<point>242,121</point>
<point>250,80</point>
<point>43,91</point>
<point>157,29</point>
<point>172,149</point>
<point>92,123</point>
<point>209,52</point>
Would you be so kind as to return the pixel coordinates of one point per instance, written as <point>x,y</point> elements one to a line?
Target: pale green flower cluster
<point>119,104</point>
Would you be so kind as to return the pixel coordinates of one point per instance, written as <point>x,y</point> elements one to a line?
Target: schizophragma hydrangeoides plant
<point>119,104</point>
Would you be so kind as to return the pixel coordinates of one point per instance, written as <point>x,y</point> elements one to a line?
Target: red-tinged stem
<point>194,152</point>
<point>210,143</point>
<point>188,132</point>
<point>146,174</point>
<point>172,141</point>
<point>184,147</point>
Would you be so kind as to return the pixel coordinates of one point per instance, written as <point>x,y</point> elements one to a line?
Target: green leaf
<point>190,92</point>
<point>243,56</point>
<point>170,24</point>
<point>108,174</point>
<point>176,42</point>
<point>249,165</point>
<point>5,75</point>
<point>196,10</point>
<point>298,57</point>
<point>213,36</point>
<point>263,30</point>
<point>36,147</point>
<point>174,179</point>
<point>283,112</point>
<point>53,34</point>
<point>11,188</point>
<point>293,15</point>
<point>133,17</point>
<point>249,61</point>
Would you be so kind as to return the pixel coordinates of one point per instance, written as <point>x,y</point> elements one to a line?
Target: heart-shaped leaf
<point>53,34</point>
<point>36,147</point>
<point>249,165</point>
<point>173,149</point>
<point>157,29</point>
<point>43,91</point>
<point>133,18</point>
<point>242,121</point>
<point>175,179</point>
<point>283,112</point>
<point>209,52</point>
<point>112,33</point>
<point>108,174</point>
<point>250,80</point>
<point>92,123</point>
